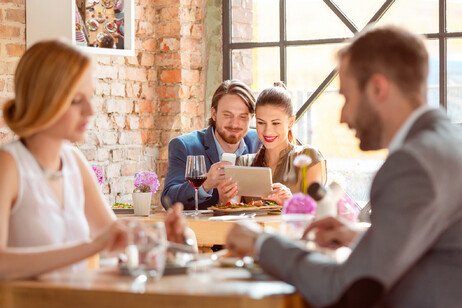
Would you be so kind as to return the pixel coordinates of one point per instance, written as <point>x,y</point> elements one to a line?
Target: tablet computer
<point>251,181</point>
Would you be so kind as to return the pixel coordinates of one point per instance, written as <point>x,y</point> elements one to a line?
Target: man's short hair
<point>399,55</point>
<point>235,87</point>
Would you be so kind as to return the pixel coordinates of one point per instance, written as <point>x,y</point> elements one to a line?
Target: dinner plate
<point>169,269</point>
<point>107,3</point>
<point>258,210</point>
<point>100,36</point>
<point>124,211</point>
<point>92,25</point>
<point>111,27</point>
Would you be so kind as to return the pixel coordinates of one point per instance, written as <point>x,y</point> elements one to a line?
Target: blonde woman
<point>52,214</point>
<point>274,118</point>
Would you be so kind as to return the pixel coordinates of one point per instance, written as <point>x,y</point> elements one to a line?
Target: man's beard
<point>369,126</point>
<point>228,138</point>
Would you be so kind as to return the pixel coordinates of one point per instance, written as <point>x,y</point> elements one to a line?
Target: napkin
<point>229,217</point>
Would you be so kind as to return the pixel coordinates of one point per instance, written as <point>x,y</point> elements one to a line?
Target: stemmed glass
<point>195,174</point>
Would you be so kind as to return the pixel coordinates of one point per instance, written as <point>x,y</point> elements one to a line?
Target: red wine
<point>196,182</point>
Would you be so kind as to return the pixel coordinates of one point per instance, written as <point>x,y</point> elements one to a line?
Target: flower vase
<point>142,203</point>
<point>293,225</point>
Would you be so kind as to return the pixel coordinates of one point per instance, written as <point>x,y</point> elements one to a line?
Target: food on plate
<point>107,3</point>
<point>100,36</point>
<point>119,205</point>
<point>78,26</point>
<point>253,205</point>
<point>110,26</point>
<point>92,25</point>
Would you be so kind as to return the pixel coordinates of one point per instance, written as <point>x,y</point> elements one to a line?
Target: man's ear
<point>213,112</point>
<point>379,87</point>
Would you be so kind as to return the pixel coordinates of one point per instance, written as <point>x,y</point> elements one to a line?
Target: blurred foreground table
<point>208,232</point>
<point>106,288</point>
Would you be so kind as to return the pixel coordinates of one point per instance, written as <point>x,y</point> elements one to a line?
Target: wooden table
<point>101,26</point>
<point>208,232</point>
<point>106,288</point>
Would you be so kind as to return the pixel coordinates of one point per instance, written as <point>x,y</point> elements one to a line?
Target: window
<point>296,40</point>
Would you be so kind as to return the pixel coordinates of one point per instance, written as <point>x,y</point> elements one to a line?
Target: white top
<point>37,218</point>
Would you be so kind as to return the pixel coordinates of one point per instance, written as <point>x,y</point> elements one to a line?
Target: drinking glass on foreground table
<point>146,250</point>
<point>196,174</point>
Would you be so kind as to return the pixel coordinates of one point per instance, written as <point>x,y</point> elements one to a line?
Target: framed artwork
<point>97,26</point>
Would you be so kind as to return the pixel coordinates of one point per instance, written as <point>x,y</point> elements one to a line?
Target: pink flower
<point>99,174</point>
<point>146,181</point>
<point>299,204</point>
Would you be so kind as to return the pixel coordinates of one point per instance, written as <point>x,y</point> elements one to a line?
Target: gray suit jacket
<point>412,254</point>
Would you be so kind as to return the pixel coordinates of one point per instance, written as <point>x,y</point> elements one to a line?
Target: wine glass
<point>195,174</point>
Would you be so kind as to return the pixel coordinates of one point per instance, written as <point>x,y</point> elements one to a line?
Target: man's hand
<point>175,224</point>
<point>227,190</point>
<point>240,240</point>
<point>331,233</point>
<point>215,175</point>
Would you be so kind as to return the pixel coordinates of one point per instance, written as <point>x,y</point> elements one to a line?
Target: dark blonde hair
<point>235,87</point>
<point>277,96</point>
<point>399,55</point>
<point>45,82</point>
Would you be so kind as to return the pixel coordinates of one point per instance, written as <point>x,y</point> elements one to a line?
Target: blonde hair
<point>45,82</point>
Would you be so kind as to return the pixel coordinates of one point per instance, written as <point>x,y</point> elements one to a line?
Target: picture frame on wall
<point>96,26</point>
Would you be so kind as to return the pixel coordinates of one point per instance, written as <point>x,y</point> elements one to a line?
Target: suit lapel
<point>424,122</point>
<point>210,147</point>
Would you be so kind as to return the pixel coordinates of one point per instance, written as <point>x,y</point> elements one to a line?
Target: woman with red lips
<point>52,213</point>
<point>275,118</point>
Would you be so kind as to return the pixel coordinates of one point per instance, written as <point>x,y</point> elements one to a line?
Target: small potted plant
<point>146,184</point>
<point>297,213</point>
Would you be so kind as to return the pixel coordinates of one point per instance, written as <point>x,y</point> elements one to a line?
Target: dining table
<point>92,13</point>
<point>106,287</point>
<point>210,229</point>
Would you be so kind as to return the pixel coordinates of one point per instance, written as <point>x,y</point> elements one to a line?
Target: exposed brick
<point>149,14</point>
<point>146,122</point>
<point>118,89</point>
<point>132,89</point>
<point>119,106</point>
<point>16,15</point>
<point>190,45</point>
<point>169,14</point>
<point>145,28</point>
<point>118,121</point>
<point>16,2</point>
<point>147,91</point>
<point>147,59</point>
<point>9,31</point>
<point>113,170</point>
<point>149,44</point>
<point>169,76</point>
<point>165,29</point>
<point>137,74</point>
<point>129,137</point>
<point>170,107</point>
<point>168,59</point>
<point>135,154</point>
<point>190,76</point>
<point>117,155</point>
<point>169,44</point>
<point>2,86</point>
<point>149,137</point>
<point>109,137</point>
<point>102,154</point>
<point>108,72</point>
<point>90,154</point>
<point>146,106</point>
<point>167,92</point>
<point>133,122</point>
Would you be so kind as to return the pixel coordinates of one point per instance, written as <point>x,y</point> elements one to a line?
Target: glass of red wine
<point>196,174</point>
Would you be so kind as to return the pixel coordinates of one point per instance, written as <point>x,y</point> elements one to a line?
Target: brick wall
<point>141,102</point>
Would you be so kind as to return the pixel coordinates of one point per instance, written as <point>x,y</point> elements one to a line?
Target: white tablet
<point>251,181</point>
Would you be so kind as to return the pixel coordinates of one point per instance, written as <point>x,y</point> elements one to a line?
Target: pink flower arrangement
<point>99,174</point>
<point>146,181</point>
<point>299,204</point>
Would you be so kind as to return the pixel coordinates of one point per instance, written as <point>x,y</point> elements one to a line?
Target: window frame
<point>228,46</point>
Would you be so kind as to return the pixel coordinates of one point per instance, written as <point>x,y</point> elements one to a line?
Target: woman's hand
<point>279,194</point>
<point>114,237</point>
<point>175,224</point>
<point>227,190</point>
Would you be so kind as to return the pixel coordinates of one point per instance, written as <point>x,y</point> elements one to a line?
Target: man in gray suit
<point>411,256</point>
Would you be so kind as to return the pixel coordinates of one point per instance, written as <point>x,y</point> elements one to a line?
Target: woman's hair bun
<point>280,84</point>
